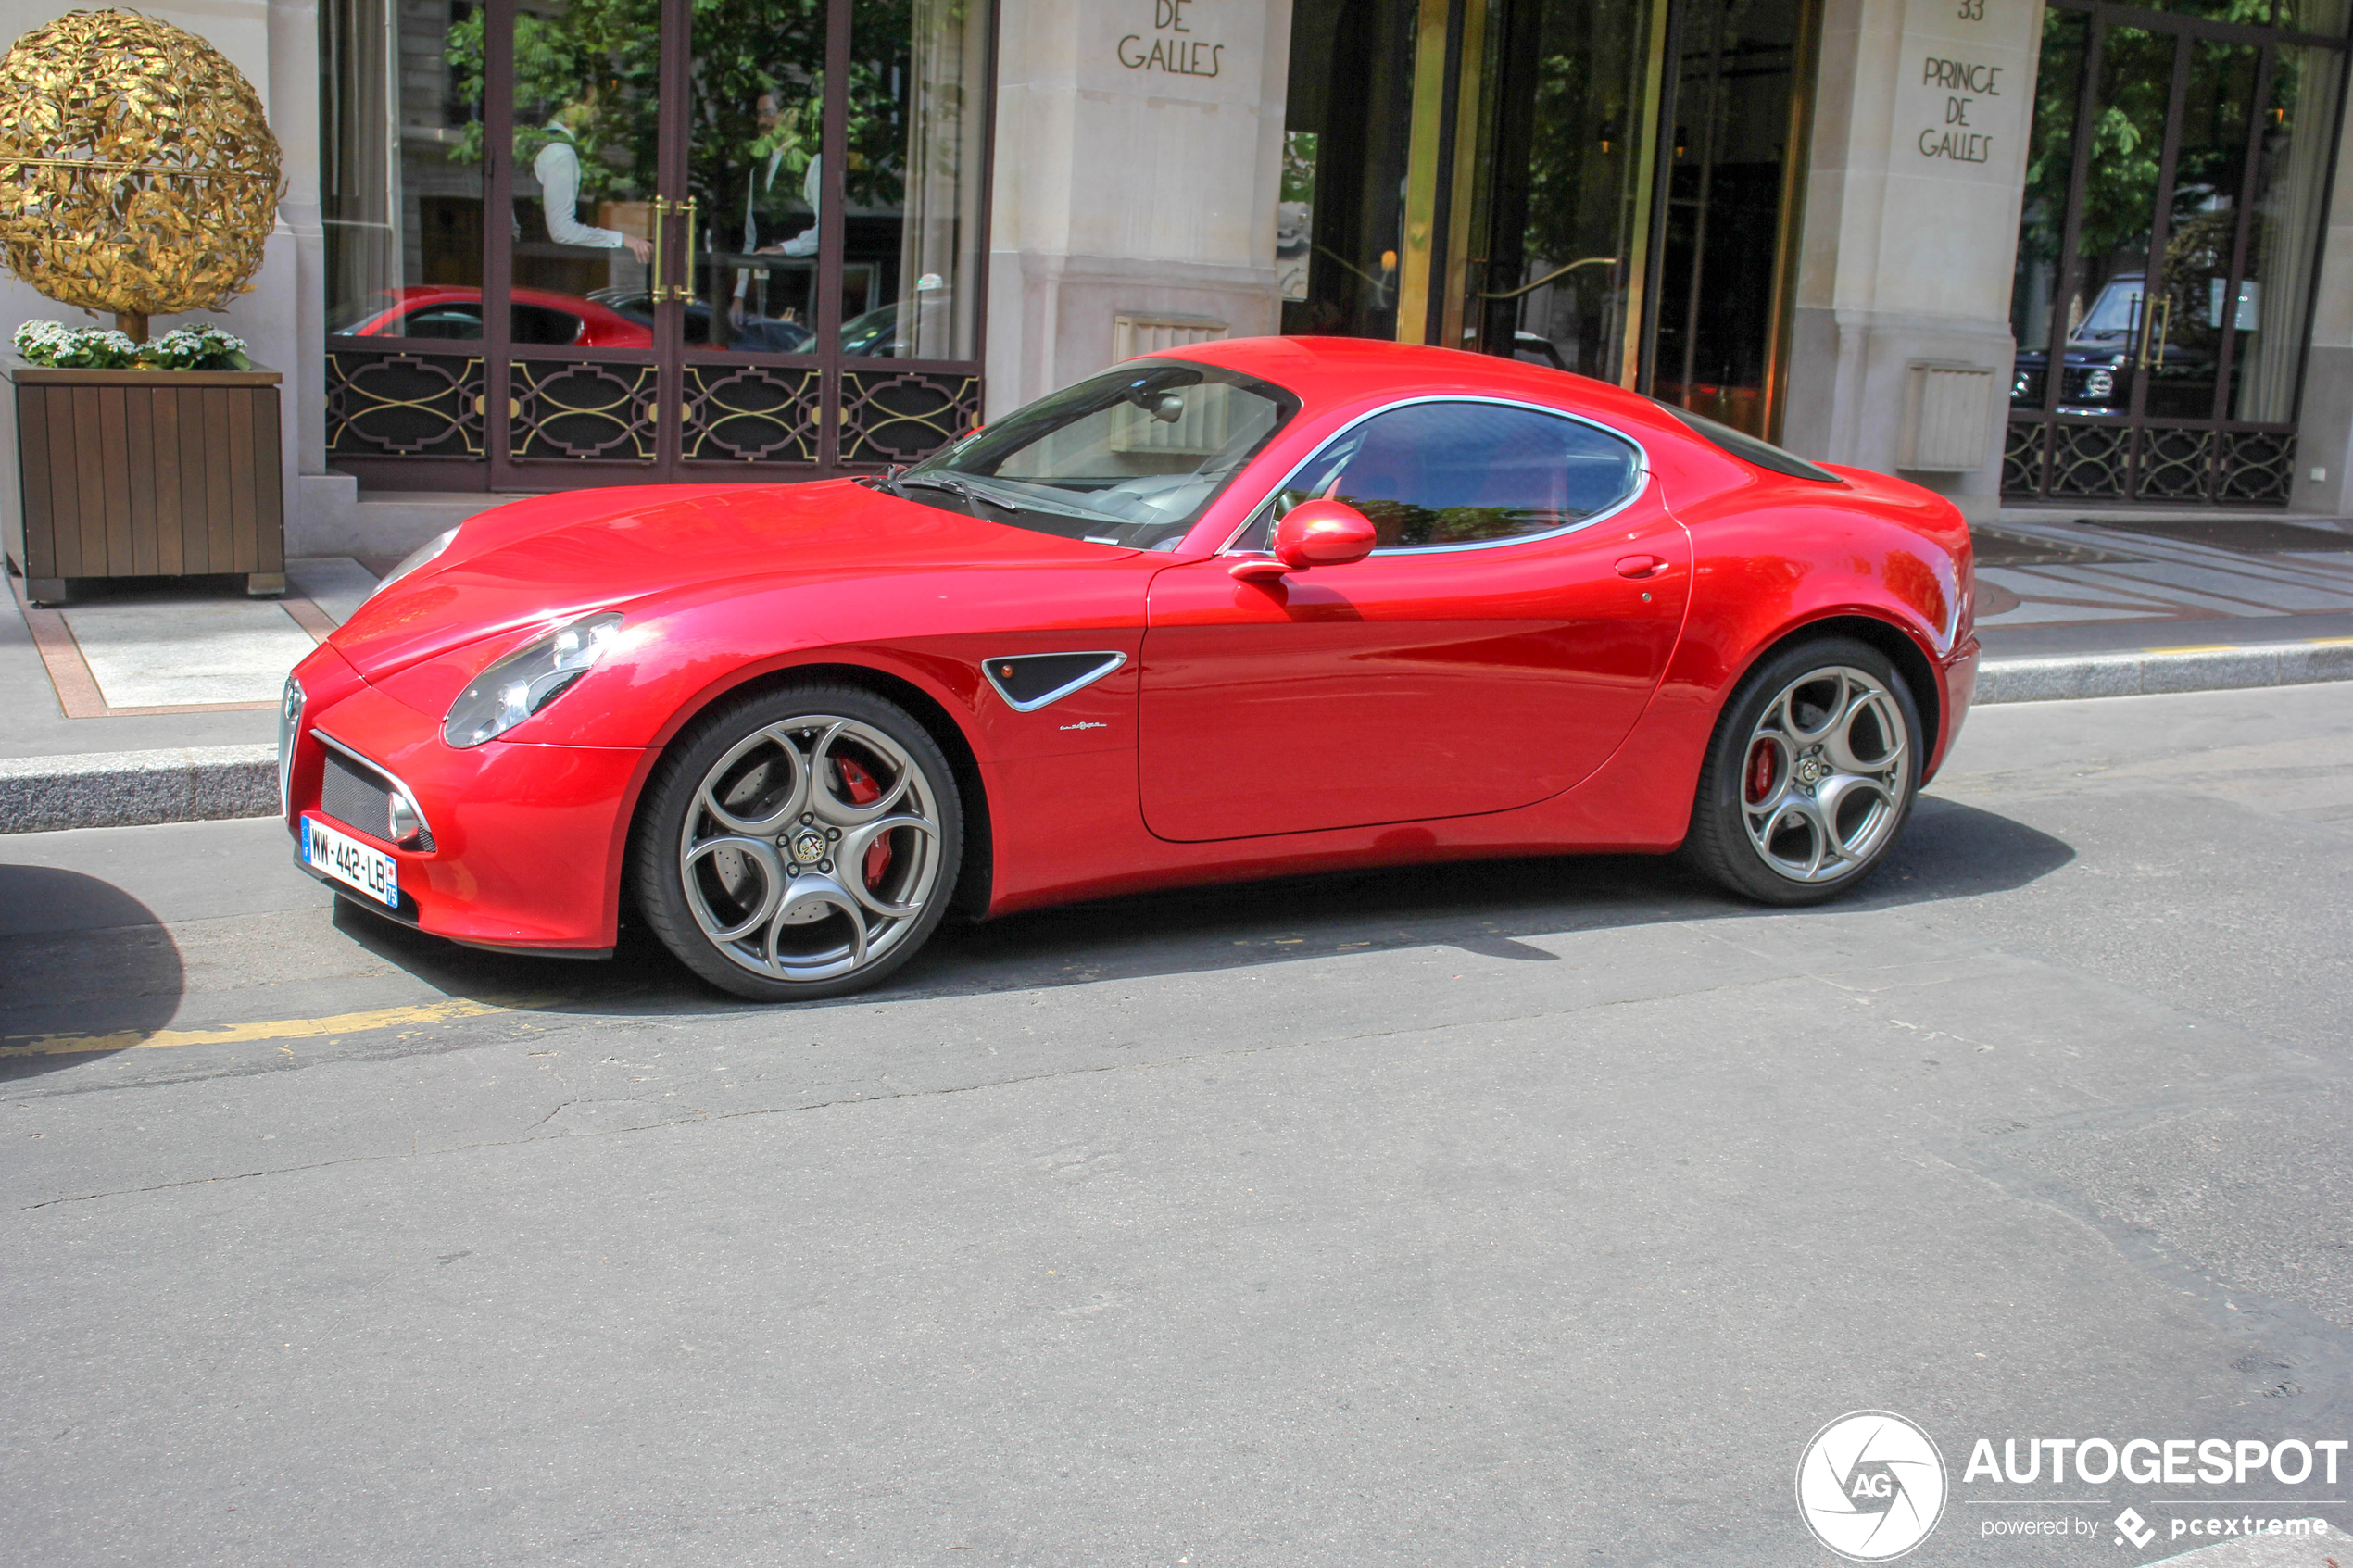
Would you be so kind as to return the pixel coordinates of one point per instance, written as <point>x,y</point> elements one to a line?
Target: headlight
<point>2099,383</point>
<point>522,684</point>
<point>415,558</point>
<point>289,723</point>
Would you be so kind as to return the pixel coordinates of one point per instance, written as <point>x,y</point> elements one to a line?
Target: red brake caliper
<point>1764,770</point>
<point>864,791</point>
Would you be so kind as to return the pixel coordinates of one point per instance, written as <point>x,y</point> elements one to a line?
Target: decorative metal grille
<point>2256,465</point>
<point>750,414</point>
<point>2174,464</point>
<point>2109,459</point>
<point>2022,460</point>
<point>401,405</point>
<point>2090,459</point>
<point>899,416</point>
<point>581,409</point>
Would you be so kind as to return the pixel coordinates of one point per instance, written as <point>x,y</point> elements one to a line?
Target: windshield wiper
<point>955,487</point>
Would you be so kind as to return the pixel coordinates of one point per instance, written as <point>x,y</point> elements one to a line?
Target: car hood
<point>538,560</point>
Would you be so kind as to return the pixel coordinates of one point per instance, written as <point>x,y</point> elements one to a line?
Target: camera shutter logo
<point>1870,1486</point>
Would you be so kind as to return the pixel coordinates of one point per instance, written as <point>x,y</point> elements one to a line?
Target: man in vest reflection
<point>557,171</point>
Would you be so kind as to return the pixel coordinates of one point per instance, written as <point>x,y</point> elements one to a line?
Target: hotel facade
<point>2026,252</point>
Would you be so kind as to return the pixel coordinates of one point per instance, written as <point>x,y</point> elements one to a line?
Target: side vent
<point>1029,681</point>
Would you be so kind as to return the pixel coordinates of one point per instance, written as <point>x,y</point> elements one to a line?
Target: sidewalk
<point>149,701</point>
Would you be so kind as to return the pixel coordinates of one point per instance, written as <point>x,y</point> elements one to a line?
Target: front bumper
<point>526,841</point>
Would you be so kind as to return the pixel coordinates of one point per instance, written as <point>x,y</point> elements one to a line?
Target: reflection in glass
<point>2299,124</point>
<point>588,93</point>
<point>918,128</point>
<point>401,207</point>
<point>1716,302</point>
<point>1347,121</point>
<point>755,171</point>
<point>2105,307</point>
<point>2042,225</point>
<point>1133,457</point>
<point>1575,91</point>
<point>2183,351</point>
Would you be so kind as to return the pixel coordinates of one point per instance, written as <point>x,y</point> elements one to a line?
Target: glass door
<point>651,240</point>
<point>577,303</point>
<point>1605,186</point>
<point>2166,254</point>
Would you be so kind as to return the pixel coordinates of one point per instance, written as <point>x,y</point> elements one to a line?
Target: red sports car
<point>1237,610</point>
<point>454,310</point>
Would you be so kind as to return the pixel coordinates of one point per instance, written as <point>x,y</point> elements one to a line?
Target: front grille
<point>359,797</point>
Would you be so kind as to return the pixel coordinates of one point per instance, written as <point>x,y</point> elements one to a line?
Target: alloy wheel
<point>1825,775</point>
<point>812,849</point>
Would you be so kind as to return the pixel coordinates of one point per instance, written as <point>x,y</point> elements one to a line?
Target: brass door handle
<point>683,291</point>
<point>660,210</point>
<point>1555,273</point>
<point>2151,330</point>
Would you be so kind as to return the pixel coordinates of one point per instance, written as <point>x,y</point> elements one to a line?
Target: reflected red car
<point>1242,609</point>
<point>454,310</point>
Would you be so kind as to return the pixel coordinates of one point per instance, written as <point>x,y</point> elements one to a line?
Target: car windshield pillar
<point>1131,458</point>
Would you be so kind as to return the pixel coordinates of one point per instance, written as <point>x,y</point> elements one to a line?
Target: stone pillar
<point>1138,148</point>
<point>1919,165</point>
<point>2324,432</point>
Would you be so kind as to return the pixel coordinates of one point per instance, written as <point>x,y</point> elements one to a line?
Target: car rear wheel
<point>799,843</point>
<point>1810,776</point>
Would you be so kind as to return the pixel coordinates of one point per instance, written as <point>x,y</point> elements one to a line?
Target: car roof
<point>1346,370</point>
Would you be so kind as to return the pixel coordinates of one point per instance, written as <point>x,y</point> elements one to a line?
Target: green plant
<point>204,347</point>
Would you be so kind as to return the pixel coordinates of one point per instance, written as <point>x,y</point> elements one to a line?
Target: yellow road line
<point>238,1034</point>
<point>2198,647</point>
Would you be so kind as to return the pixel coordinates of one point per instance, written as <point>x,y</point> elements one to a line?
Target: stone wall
<point>1137,153</point>
<point>1913,190</point>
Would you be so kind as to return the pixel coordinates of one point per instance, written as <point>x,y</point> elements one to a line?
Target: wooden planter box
<point>147,473</point>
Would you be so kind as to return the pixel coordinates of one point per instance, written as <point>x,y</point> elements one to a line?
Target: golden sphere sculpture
<point>137,172</point>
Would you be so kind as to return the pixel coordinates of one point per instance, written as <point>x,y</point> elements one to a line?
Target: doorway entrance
<point>2169,248</point>
<point>595,241</point>
<point>1608,186</point>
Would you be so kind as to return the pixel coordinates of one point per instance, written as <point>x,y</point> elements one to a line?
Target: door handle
<point>1640,566</point>
<point>683,290</point>
<point>660,206</point>
<point>2156,328</point>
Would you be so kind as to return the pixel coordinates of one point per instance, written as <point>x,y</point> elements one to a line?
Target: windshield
<point>1133,457</point>
<point>2116,313</point>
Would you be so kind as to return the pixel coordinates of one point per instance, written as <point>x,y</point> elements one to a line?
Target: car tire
<point>798,843</point>
<point>1810,775</point>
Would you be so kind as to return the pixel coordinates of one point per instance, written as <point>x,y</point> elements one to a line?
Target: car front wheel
<point>1810,776</point>
<point>799,843</point>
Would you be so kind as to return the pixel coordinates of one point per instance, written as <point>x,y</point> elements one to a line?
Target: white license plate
<point>350,862</point>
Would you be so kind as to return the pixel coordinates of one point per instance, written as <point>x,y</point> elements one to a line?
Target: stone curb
<point>2141,674</point>
<point>211,783</point>
<point>125,788</point>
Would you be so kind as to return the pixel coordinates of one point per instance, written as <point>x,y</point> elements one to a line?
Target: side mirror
<point>1317,532</point>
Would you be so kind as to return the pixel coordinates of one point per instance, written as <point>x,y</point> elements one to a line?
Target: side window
<point>444,320</point>
<point>1463,473</point>
<point>537,324</point>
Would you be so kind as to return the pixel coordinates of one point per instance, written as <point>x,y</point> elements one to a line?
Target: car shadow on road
<point>1949,851</point>
<point>72,947</point>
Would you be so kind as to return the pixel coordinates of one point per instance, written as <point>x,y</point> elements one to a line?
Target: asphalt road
<point>1505,1214</point>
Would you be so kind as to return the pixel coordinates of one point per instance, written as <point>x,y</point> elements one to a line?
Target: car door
<point>1499,643</point>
